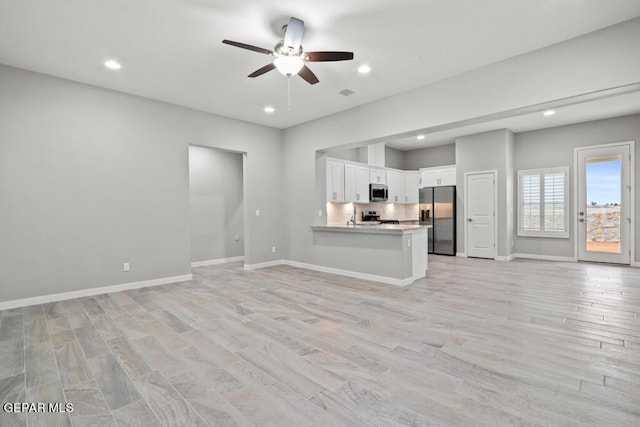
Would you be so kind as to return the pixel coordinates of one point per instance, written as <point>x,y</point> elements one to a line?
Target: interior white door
<point>480,221</point>
<point>603,204</point>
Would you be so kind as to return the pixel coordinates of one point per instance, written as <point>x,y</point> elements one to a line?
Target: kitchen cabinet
<point>438,176</point>
<point>335,181</point>
<point>378,175</point>
<point>356,183</point>
<point>412,186</point>
<point>396,184</point>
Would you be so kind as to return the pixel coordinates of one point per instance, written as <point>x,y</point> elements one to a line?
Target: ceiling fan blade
<point>293,35</point>
<point>262,70</point>
<point>327,56</point>
<point>308,75</point>
<point>248,47</point>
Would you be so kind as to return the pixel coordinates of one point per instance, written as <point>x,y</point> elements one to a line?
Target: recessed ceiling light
<point>113,65</point>
<point>549,113</point>
<point>269,109</point>
<point>420,137</point>
<point>364,69</point>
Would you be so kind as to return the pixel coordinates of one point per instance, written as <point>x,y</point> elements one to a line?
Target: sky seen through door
<point>603,181</point>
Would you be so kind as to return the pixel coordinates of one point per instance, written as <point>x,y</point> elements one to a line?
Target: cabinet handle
<point>406,198</point>
<point>335,195</point>
<point>396,198</point>
<point>358,196</point>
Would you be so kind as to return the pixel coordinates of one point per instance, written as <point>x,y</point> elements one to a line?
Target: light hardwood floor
<point>477,342</point>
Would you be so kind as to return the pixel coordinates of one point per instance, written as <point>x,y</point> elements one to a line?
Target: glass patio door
<point>603,204</point>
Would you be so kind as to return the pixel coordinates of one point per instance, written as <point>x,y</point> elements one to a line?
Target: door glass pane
<point>604,176</point>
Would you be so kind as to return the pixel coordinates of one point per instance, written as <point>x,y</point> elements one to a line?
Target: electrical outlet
<point>273,249</point>
<point>257,212</point>
<point>126,266</point>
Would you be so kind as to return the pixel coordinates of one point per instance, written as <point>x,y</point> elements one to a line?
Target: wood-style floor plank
<point>476,342</point>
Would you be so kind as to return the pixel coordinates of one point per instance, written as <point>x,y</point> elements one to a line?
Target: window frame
<point>564,234</point>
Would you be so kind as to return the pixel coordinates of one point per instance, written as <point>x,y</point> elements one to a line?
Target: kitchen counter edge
<point>371,229</point>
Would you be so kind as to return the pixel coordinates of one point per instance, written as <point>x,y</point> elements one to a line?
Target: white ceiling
<point>171,50</point>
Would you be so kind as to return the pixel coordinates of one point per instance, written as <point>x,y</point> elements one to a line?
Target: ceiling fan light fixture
<point>288,65</point>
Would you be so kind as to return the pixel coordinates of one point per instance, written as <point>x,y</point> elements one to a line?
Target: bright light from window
<point>364,69</point>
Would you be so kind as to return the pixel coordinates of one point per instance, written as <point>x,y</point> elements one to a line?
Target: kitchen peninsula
<point>390,253</point>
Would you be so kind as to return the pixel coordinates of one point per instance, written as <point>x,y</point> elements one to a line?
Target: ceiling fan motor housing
<point>283,50</point>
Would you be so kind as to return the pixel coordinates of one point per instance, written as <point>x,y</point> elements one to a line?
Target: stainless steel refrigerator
<point>438,209</point>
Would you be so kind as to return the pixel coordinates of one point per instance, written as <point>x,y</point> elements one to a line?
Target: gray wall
<point>554,148</point>
<point>351,154</point>
<point>393,158</point>
<point>557,72</point>
<point>480,153</point>
<point>215,204</point>
<point>91,178</point>
<point>441,155</point>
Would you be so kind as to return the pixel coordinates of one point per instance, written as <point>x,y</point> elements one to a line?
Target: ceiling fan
<point>289,55</point>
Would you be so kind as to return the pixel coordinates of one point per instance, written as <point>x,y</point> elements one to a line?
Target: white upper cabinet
<point>395,181</point>
<point>378,175</point>
<point>438,177</point>
<point>335,181</point>
<point>376,154</point>
<point>356,183</point>
<point>412,186</point>
<point>448,176</point>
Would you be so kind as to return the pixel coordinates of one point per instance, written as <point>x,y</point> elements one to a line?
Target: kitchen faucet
<point>353,217</point>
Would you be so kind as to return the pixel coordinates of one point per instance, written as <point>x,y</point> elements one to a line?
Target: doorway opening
<point>216,205</point>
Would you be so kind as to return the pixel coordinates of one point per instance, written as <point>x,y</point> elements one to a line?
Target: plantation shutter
<point>542,203</point>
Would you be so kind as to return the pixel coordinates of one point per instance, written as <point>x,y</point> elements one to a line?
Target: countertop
<point>374,229</point>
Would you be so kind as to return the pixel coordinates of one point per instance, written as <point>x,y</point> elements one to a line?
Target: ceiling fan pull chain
<point>289,93</point>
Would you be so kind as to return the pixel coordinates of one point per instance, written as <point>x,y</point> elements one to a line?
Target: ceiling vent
<point>346,92</point>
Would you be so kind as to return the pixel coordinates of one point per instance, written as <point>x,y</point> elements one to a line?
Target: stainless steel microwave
<point>378,192</point>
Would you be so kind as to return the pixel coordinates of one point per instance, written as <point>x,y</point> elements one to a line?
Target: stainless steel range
<point>374,217</point>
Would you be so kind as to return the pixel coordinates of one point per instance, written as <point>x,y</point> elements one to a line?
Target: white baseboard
<point>216,261</point>
<point>264,264</point>
<point>461,254</point>
<point>354,274</point>
<point>506,258</point>
<point>546,257</point>
<point>93,291</point>
<point>635,264</point>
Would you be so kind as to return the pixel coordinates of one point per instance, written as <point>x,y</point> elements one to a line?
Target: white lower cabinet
<point>356,183</point>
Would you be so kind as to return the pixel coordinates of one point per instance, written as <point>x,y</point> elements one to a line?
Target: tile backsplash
<point>340,213</point>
